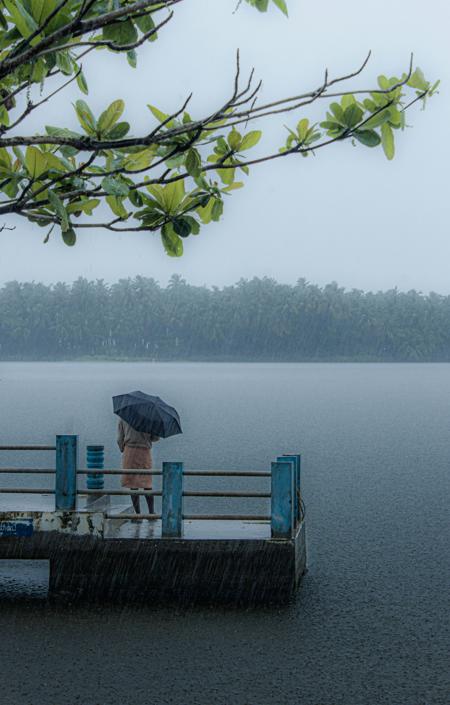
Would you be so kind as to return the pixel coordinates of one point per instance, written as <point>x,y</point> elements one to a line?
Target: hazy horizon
<point>212,285</point>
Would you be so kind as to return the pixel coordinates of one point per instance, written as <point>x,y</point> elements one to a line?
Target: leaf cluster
<point>173,179</point>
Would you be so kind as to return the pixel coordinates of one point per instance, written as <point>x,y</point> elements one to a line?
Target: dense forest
<point>258,319</point>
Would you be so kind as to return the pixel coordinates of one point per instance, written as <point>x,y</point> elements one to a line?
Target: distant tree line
<point>258,319</point>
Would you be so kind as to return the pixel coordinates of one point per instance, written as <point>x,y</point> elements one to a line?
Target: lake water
<point>371,623</point>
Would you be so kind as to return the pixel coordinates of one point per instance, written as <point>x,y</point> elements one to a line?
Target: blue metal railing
<point>287,510</point>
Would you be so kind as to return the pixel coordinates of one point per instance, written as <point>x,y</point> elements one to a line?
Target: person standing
<point>136,449</point>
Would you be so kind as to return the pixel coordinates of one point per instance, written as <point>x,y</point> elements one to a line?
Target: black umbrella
<point>147,414</point>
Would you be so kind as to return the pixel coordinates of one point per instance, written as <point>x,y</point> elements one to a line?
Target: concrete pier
<point>98,559</point>
<point>101,551</point>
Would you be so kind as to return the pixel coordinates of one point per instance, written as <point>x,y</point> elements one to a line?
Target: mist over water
<point>371,621</point>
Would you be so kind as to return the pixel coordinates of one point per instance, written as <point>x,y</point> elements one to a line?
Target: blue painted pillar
<point>95,458</point>
<point>282,514</point>
<point>66,473</point>
<point>297,461</point>
<point>172,500</point>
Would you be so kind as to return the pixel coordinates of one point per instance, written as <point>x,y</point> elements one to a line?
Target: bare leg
<point>136,503</point>
<point>150,504</point>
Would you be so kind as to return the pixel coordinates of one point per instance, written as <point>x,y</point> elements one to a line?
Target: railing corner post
<point>282,503</point>
<point>172,500</point>
<point>66,473</point>
<point>297,459</point>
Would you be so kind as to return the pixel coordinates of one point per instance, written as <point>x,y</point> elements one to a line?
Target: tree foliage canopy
<point>174,179</point>
<point>258,319</point>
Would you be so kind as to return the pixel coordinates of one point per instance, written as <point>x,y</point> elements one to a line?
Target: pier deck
<point>99,550</point>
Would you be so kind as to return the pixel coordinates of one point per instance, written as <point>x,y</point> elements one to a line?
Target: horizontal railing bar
<point>25,490</point>
<point>133,516</point>
<point>186,473</point>
<point>27,447</point>
<point>264,495</point>
<point>225,473</point>
<point>148,493</point>
<point>226,517</point>
<point>156,493</point>
<point>137,471</point>
<point>32,471</point>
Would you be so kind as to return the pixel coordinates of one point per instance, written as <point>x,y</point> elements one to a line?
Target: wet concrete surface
<point>194,530</point>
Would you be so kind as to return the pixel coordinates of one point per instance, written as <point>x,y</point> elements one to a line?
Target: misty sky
<point>347,214</point>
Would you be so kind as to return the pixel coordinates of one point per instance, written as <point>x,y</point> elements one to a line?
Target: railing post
<point>297,483</point>
<point>282,514</point>
<point>66,473</point>
<point>172,500</point>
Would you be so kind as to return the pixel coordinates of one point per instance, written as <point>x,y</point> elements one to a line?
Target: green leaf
<point>19,155</point>
<point>418,81</point>
<point>260,5</point>
<point>173,194</point>
<point>35,162</point>
<point>369,138</point>
<point>330,125</point>
<point>227,175</point>
<point>64,62</point>
<point>250,139</point>
<point>182,227</point>
<point>384,83</point>
<point>233,187</point>
<point>377,120</point>
<point>193,163</point>
<point>132,58</point>
<point>168,197</point>
<point>172,242</point>
<point>21,18</point>
<point>87,206</point>
<point>195,225</point>
<point>116,205</point>
<point>5,158</point>
<point>60,210</point>
<point>352,115</point>
<point>387,139</point>
<point>111,115</point>
<point>145,23</point>
<point>121,32</point>
<point>118,131</point>
<point>115,186</point>
<point>139,160</point>
<point>235,140</point>
<point>69,237</point>
<point>41,9</point>
<point>55,163</point>
<point>337,111</point>
<point>82,84</point>
<point>159,115</point>
<point>205,212</point>
<point>281,4</point>
<point>217,209</point>
<point>395,117</point>
<point>347,101</point>
<point>86,117</point>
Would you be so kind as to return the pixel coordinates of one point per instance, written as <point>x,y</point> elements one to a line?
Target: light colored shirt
<point>128,436</point>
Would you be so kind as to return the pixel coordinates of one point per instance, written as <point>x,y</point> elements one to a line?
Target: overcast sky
<point>347,214</point>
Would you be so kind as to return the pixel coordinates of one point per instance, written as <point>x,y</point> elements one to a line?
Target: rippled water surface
<point>371,622</point>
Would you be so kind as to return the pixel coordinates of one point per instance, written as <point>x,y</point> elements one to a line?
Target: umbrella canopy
<point>147,414</point>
